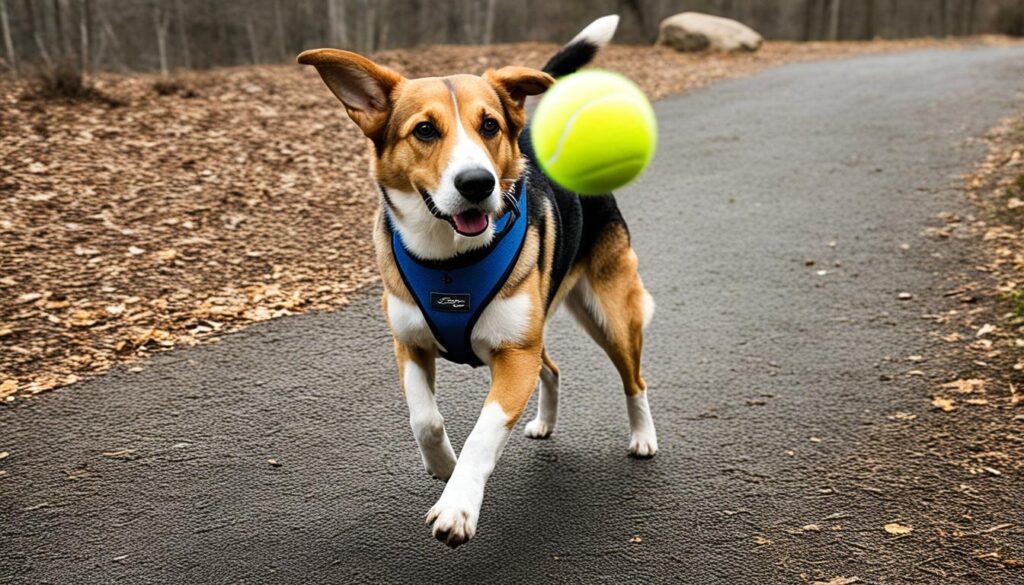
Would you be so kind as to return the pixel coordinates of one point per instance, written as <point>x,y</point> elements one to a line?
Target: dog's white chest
<point>503,321</point>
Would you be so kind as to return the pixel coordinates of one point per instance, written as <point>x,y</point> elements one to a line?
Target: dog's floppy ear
<point>513,85</point>
<point>519,82</point>
<point>362,85</point>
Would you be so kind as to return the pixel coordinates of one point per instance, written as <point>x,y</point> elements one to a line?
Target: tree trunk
<point>492,6</point>
<point>5,25</point>
<point>250,32</point>
<point>110,36</point>
<point>384,26</point>
<point>38,30</point>
<point>869,20</point>
<point>161,38</point>
<point>833,19</point>
<point>370,27</point>
<point>279,36</point>
<point>339,24</point>
<point>186,50</point>
<point>84,36</point>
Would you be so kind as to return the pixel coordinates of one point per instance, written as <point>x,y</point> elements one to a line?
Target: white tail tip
<point>599,32</point>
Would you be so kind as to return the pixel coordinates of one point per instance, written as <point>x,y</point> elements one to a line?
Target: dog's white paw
<point>538,429</point>
<point>439,464</point>
<point>453,524</point>
<point>643,444</point>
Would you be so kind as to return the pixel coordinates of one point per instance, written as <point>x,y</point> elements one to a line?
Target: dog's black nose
<point>475,184</point>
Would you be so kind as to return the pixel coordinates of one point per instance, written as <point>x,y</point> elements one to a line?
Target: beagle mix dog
<point>452,161</point>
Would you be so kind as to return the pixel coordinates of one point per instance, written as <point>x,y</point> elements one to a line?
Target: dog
<point>464,204</point>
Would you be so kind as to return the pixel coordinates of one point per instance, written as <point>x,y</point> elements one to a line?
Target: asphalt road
<point>764,381</point>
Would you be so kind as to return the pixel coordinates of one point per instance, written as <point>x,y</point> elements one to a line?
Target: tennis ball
<point>593,132</point>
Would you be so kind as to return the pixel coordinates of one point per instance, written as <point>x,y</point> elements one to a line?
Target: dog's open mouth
<point>472,222</point>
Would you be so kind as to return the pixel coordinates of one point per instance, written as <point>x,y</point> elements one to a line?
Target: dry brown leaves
<point>897,529</point>
<point>241,198</point>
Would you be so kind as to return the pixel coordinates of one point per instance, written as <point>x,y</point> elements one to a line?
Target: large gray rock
<point>693,31</point>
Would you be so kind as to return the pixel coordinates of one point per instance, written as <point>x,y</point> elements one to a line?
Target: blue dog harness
<point>452,294</point>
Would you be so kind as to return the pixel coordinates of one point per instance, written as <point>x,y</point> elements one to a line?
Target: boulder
<point>693,31</point>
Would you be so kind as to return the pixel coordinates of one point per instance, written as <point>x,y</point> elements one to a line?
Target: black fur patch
<point>570,58</point>
<point>579,220</point>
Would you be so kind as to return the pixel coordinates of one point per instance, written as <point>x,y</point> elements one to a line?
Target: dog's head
<point>446,148</point>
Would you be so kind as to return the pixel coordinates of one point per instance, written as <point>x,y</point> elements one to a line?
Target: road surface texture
<point>764,375</point>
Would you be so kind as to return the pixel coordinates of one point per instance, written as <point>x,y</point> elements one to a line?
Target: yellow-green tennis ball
<point>593,132</point>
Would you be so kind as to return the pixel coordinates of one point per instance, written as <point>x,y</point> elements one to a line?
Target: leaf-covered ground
<point>221,198</point>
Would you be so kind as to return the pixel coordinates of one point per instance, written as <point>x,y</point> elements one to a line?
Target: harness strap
<point>452,294</point>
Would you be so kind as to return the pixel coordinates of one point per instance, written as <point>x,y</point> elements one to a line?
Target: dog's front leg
<point>416,368</point>
<point>513,377</point>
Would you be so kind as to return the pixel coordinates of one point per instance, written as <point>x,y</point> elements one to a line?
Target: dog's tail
<point>581,50</point>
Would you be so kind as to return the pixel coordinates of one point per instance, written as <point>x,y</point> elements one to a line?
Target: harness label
<point>450,302</point>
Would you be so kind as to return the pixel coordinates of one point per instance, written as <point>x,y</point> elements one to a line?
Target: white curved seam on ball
<point>564,136</point>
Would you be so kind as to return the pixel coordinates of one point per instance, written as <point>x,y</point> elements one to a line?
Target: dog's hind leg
<point>611,304</point>
<point>547,401</point>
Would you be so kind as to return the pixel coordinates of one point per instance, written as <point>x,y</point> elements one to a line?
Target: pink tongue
<point>470,222</point>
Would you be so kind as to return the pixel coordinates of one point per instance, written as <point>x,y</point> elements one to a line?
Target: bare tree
<point>5,25</point>
<point>119,34</point>
<point>186,50</point>
<point>492,6</point>
<point>279,34</point>
<point>337,22</point>
<point>833,19</point>
<point>250,32</point>
<point>369,26</point>
<point>161,24</point>
<point>84,36</point>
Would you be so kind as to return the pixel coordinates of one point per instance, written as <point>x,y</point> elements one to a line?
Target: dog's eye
<point>425,131</point>
<point>489,127</point>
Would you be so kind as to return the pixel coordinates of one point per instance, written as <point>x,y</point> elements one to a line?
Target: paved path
<point>752,354</point>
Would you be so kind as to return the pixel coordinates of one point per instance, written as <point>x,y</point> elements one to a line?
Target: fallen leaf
<point>838,581</point>
<point>761,541</point>
<point>167,255</point>
<point>965,386</point>
<point>83,251</point>
<point>1014,563</point>
<point>897,528</point>
<point>82,319</point>
<point>903,416</point>
<point>635,539</point>
<point>945,404</point>
<point>985,330</point>
<point>4,455</point>
<point>8,387</point>
<point>120,454</point>
<point>810,528</point>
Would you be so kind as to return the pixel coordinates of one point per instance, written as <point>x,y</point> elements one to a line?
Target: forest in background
<point>147,35</point>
